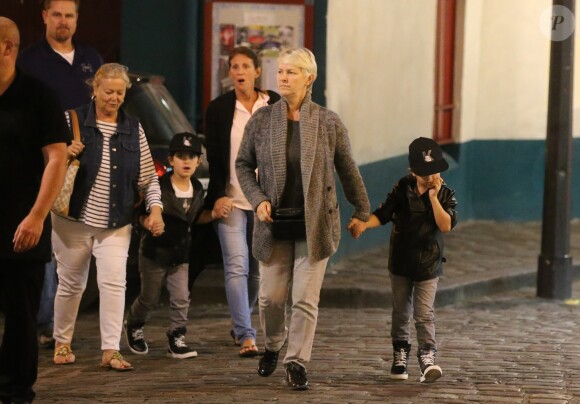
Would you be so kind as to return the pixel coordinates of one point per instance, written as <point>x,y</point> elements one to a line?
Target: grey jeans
<point>290,269</point>
<point>152,276</point>
<point>416,299</point>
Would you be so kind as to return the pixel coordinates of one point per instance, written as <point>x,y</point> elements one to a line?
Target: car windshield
<point>158,112</point>
<point>161,118</point>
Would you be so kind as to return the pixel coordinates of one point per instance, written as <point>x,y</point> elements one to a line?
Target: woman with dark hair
<point>226,119</point>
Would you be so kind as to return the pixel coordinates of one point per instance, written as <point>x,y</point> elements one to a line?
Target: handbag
<point>61,204</point>
<point>288,224</point>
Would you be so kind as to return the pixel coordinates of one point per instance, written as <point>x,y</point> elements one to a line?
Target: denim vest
<point>125,165</point>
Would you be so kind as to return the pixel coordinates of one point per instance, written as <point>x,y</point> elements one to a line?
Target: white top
<point>241,118</point>
<point>69,56</point>
<point>184,197</point>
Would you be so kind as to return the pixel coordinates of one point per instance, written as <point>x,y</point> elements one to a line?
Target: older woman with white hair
<point>296,145</point>
<point>115,165</point>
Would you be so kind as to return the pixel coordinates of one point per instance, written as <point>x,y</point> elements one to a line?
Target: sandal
<point>63,355</point>
<point>120,366</point>
<point>236,340</point>
<point>249,349</point>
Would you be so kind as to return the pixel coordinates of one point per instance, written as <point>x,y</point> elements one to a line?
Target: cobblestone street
<point>511,348</point>
<point>497,341</point>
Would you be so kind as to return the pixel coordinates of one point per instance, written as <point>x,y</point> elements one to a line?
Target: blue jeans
<point>45,317</point>
<point>241,271</point>
<point>415,299</point>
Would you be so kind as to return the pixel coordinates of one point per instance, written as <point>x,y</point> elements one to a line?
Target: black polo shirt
<point>30,118</point>
<point>68,81</point>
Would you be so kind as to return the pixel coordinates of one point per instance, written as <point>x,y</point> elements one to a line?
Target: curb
<point>209,289</point>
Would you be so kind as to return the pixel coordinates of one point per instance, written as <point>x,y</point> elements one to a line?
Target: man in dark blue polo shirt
<point>33,137</point>
<point>59,60</point>
<point>64,65</point>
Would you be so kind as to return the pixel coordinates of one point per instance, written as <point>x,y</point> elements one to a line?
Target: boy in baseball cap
<point>166,257</point>
<point>421,208</point>
<point>185,142</point>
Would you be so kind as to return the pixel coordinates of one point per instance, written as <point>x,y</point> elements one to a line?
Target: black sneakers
<point>135,339</point>
<point>429,370</point>
<point>401,351</point>
<point>177,348</point>
<point>296,376</point>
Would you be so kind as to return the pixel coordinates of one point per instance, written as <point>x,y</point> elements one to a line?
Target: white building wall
<point>380,72</point>
<point>506,65</point>
<point>380,58</point>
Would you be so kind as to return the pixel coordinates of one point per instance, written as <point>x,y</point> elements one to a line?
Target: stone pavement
<point>497,342</point>
<point>507,348</point>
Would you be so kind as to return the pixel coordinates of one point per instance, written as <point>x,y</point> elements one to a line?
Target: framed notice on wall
<point>267,27</point>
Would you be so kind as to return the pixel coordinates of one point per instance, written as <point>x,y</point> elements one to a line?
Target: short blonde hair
<point>110,71</point>
<point>302,58</point>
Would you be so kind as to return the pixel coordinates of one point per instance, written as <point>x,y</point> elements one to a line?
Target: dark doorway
<point>444,71</point>
<point>99,24</point>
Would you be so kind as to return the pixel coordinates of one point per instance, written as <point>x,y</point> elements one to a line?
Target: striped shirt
<point>95,212</point>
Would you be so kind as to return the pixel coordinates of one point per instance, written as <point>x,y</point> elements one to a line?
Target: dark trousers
<point>20,288</point>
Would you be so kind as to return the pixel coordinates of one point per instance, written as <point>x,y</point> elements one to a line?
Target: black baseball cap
<point>185,142</point>
<point>426,157</point>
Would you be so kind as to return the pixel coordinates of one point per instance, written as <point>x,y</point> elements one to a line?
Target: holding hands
<point>154,222</point>
<point>222,207</point>
<point>356,227</point>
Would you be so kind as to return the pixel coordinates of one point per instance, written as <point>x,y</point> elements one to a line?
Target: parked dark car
<point>149,100</point>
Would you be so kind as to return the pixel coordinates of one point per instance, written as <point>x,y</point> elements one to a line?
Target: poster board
<point>266,27</point>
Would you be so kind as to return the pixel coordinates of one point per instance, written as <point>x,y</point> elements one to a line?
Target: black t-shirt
<point>30,118</point>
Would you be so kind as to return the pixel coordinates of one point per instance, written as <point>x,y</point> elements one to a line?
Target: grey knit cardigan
<point>324,147</point>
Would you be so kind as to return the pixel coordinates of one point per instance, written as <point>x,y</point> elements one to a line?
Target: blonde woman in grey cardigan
<point>296,146</point>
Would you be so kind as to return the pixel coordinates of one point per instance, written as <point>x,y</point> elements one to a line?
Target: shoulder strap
<point>75,124</point>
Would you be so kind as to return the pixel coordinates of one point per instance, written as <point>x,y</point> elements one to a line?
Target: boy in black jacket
<point>167,256</point>
<point>421,208</point>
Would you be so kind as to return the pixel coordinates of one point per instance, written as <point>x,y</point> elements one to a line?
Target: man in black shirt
<point>33,136</point>
<point>58,59</point>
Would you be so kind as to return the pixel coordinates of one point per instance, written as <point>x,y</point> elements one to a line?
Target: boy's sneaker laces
<point>430,372</point>
<point>400,358</point>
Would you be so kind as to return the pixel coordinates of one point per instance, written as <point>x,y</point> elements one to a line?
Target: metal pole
<point>555,262</point>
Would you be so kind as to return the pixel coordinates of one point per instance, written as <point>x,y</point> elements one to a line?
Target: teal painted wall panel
<point>162,38</point>
<point>506,179</point>
<point>379,179</point>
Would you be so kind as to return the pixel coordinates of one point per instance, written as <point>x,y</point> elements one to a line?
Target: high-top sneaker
<point>429,370</point>
<point>135,338</point>
<point>401,351</point>
<point>177,348</point>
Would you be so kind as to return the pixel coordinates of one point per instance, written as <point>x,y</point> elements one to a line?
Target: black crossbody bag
<point>288,224</point>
